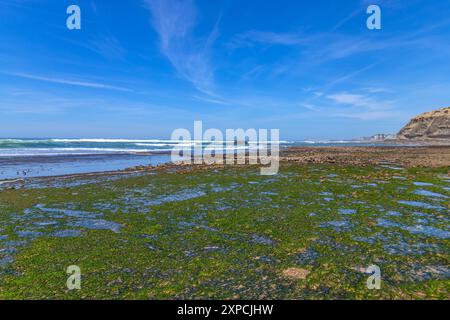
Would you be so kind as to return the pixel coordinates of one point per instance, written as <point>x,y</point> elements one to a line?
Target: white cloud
<point>267,37</point>
<point>369,115</point>
<point>68,82</point>
<point>378,90</point>
<point>364,107</point>
<point>356,100</point>
<point>174,21</point>
<point>309,106</point>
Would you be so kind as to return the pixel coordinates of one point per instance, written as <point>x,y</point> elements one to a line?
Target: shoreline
<point>406,156</point>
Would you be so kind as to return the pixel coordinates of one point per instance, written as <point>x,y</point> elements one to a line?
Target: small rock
<point>296,273</point>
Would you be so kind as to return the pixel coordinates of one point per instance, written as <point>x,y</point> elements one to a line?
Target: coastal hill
<point>433,125</point>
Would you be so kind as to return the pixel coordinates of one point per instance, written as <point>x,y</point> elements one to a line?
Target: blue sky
<point>140,69</point>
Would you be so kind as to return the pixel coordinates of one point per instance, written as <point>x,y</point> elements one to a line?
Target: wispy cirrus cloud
<point>324,47</point>
<point>174,21</point>
<point>370,115</point>
<point>362,106</point>
<point>78,83</point>
<point>356,100</point>
<point>252,37</point>
<point>365,105</point>
<point>104,45</point>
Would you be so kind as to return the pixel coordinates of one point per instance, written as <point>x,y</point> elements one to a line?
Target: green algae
<point>229,233</point>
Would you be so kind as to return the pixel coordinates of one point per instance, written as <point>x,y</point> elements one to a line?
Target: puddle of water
<point>420,214</point>
<point>392,167</point>
<point>387,223</point>
<point>393,214</point>
<point>28,234</point>
<point>369,240</point>
<point>428,273</point>
<point>422,184</point>
<point>151,247</point>
<point>185,224</point>
<point>337,225</point>
<point>269,193</point>
<point>224,207</point>
<point>106,207</point>
<point>404,248</point>
<point>336,245</point>
<point>67,212</point>
<point>416,229</point>
<point>308,257</point>
<point>262,240</point>
<point>7,249</point>
<point>96,224</point>
<point>181,196</point>
<point>429,231</point>
<point>86,220</point>
<point>190,253</point>
<point>66,233</point>
<point>445,179</point>
<point>45,223</point>
<point>420,204</point>
<point>6,260</point>
<point>266,259</point>
<point>211,248</point>
<point>427,193</point>
<point>10,244</point>
<point>347,211</point>
<point>223,189</point>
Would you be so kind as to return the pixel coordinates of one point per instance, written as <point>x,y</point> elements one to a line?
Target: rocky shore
<point>432,156</point>
<point>408,157</point>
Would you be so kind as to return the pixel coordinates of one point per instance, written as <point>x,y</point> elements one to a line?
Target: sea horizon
<point>16,147</point>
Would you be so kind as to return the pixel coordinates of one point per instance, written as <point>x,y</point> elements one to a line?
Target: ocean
<point>57,147</point>
<point>20,158</point>
<point>54,147</point>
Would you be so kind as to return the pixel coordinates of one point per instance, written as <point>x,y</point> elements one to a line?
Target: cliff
<point>433,125</point>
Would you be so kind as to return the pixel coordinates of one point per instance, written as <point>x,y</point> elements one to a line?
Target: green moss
<point>230,233</point>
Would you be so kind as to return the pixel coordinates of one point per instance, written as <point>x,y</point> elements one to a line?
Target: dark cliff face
<point>433,125</point>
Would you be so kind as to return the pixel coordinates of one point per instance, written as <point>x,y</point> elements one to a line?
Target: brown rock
<point>433,125</point>
<point>296,273</point>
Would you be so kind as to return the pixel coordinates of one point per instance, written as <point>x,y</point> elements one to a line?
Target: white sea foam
<point>69,151</point>
<point>164,144</point>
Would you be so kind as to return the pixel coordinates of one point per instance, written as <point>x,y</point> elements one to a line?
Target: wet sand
<point>405,156</point>
<point>21,167</point>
